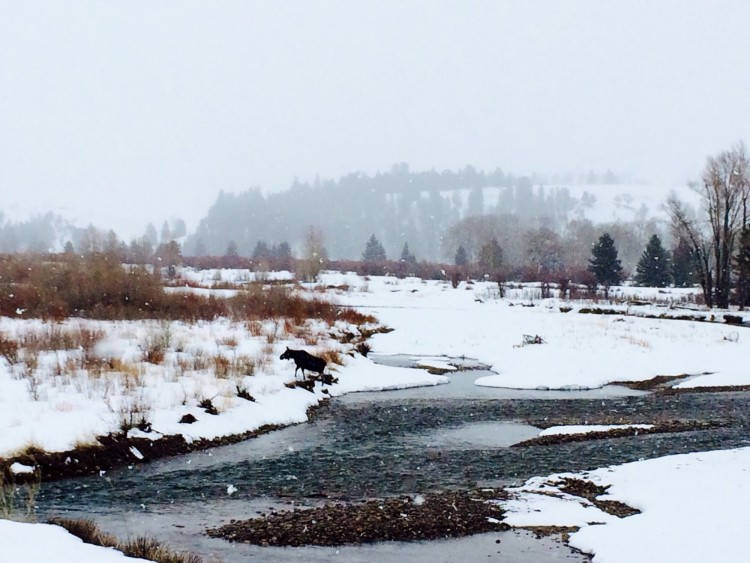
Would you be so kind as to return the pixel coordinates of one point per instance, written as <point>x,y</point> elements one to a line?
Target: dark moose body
<point>304,361</point>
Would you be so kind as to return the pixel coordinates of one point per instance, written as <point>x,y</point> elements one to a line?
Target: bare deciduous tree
<point>314,254</point>
<point>724,189</point>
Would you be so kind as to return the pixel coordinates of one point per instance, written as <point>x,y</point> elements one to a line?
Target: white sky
<point>121,113</point>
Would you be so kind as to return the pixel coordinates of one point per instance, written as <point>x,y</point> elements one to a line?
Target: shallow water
<point>476,435</point>
<point>382,444</point>
<point>462,385</point>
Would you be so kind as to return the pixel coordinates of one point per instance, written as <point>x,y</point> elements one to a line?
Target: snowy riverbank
<point>74,394</point>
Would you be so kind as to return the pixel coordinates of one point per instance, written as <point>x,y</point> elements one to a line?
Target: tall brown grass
<point>97,286</point>
<point>140,547</point>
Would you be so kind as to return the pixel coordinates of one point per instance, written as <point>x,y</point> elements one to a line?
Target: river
<point>382,444</point>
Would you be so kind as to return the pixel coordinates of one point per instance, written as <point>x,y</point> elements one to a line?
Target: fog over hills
<point>121,114</point>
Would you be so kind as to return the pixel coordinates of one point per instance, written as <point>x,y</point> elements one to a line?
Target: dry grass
<point>640,342</point>
<point>134,408</point>
<point>331,356</point>
<point>229,341</point>
<point>221,366</point>
<point>255,328</point>
<point>144,548</point>
<point>97,286</point>
<point>236,367</point>
<point>49,338</point>
<point>18,501</point>
<point>9,349</point>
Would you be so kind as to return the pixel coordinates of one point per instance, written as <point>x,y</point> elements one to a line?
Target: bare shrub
<point>208,406</point>
<point>243,393</point>
<point>311,337</point>
<point>29,371</point>
<point>229,341</point>
<point>135,409</point>
<point>255,328</point>
<point>9,349</point>
<point>201,361</point>
<point>331,356</point>
<point>271,337</point>
<point>242,366</point>
<point>221,366</point>
<point>155,348</point>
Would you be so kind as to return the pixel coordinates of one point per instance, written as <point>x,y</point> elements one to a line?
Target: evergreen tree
<point>283,251</point>
<point>231,256</point>
<point>200,248</point>
<point>232,250</point>
<point>151,235</point>
<point>490,256</point>
<point>683,264</point>
<point>653,267</point>
<point>282,254</point>
<point>261,251</point>
<point>374,251</point>
<point>180,228</point>
<point>166,233</point>
<point>407,256</point>
<point>604,263</point>
<point>462,257</point>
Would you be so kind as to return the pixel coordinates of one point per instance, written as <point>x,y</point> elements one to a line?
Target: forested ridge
<point>398,206</point>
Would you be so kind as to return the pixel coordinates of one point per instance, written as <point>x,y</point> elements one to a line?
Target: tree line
<point>399,206</point>
<point>415,219</point>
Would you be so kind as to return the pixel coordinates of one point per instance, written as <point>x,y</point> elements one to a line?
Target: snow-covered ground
<point>21,542</point>
<point>693,509</point>
<point>579,350</point>
<point>56,399</point>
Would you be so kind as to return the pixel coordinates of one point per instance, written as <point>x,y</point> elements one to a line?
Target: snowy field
<point>580,351</point>
<point>693,509</point>
<point>56,399</point>
<point>65,398</point>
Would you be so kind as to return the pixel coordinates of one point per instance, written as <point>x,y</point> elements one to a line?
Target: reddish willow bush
<point>99,287</point>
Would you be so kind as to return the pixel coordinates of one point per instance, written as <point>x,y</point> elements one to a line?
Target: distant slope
<point>401,207</point>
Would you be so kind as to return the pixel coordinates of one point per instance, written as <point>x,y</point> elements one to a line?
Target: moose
<point>304,361</point>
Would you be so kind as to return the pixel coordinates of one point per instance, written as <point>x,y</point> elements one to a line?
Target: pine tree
<point>283,251</point>
<point>261,252</point>
<point>232,256</point>
<point>232,250</point>
<point>490,257</point>
<point>683,264</point>
<point>282,254</point>
<point>374,251</point>
<point>462,257</point>
<point>604,263</point>
<point>407,256</point>
<point>653,267</point>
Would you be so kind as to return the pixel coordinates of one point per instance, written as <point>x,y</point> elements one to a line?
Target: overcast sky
<point>121,113</point>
